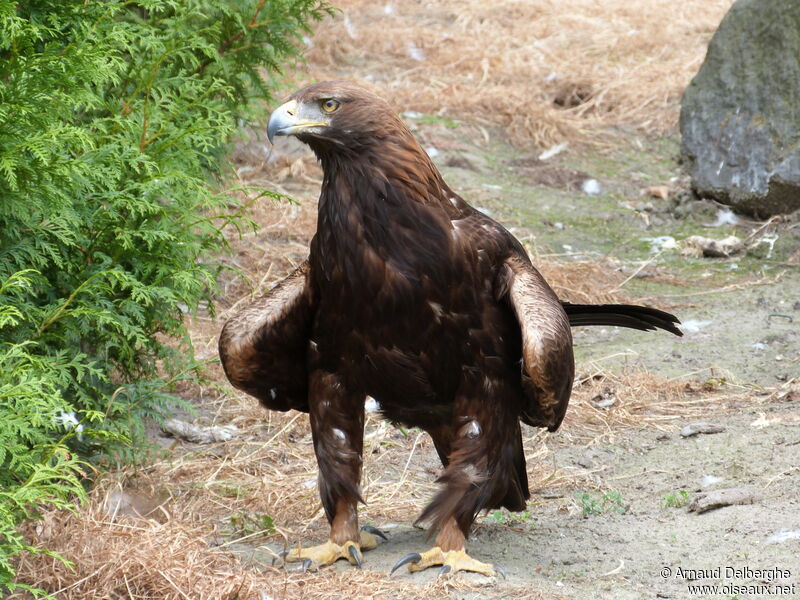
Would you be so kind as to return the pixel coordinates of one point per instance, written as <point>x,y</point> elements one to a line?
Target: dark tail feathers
<point>622,315</point>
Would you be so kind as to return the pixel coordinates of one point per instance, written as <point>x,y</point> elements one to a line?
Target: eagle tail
<point>632,316</point>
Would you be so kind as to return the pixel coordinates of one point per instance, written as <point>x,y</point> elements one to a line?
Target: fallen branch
<point>705,501</point>
<point>199,435</point>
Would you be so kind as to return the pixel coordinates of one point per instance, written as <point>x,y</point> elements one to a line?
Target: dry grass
<point>545,70</point>
<point>216,494</point>
<point>131,558</point>
<point>582,281</point>
<point>606,404</point>
<point>187,550</point>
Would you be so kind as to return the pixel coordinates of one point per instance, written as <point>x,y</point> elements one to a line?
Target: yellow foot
<point>452,562</point>
<point>328,553</point>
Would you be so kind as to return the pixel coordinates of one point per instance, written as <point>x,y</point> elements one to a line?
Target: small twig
<point>172,583</point>
<point>614,571</point>
<point>764,225</point>
<point>284,428</point>
<point>728,288</point>
<point>128,587</point>
<point>779,475</point>
<point>645,472</point>
<point>405,468</point>
<point>258,10</point>
<point>80,581</point>
<point>636,272</point>
<point>247,537</point>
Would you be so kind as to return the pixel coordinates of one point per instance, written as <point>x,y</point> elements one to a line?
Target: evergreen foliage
<point>113,120</point>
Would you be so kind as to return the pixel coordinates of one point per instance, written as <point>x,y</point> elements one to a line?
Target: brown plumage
<point>415,298</point>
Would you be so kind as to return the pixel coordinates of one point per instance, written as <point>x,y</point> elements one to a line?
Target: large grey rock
<point>740,116</point>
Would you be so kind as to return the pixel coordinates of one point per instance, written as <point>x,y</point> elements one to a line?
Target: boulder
<point>740,116</point>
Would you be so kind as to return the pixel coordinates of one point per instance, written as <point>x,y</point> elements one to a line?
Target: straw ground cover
<point>546,71</point>
<point>216,513</point>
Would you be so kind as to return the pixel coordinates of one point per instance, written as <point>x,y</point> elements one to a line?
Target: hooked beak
<point>285,121</point>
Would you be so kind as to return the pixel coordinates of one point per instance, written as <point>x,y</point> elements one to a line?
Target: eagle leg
<point>337,429</point>
<point>448,553</point>
<point>485,468</point>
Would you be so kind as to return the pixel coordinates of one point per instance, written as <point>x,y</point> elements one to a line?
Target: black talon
<point>414,557</point>
<point>282,555</point>
<point>444,570</point>
<point>374,531</point>
<point>355,554</point>
<point>303,567</point>
<point>500,570</point>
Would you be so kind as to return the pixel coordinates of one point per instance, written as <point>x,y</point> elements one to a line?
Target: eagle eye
<point>330,105</point>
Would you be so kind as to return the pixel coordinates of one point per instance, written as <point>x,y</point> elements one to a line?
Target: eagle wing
<point>548,366</point>
<point>264,347</point>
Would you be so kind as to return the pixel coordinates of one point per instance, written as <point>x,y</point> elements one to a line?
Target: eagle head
<point>335,115</point>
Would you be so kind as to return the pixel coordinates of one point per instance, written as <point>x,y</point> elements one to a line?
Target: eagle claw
<point>315,557</point>
<point>414,557</point>
<point>305,565</point>
<point>374,531</point>
<point>355,553</point>
<point>451,562</point>
<point>282,555</point>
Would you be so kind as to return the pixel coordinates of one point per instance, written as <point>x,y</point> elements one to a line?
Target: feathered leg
<point>485,469</point>
<point>337,428</point>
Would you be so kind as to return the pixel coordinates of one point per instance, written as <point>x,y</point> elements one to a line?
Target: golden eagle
<point>413,297</point>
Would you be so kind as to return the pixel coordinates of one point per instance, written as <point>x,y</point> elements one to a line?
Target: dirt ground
<point>609,514</point>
